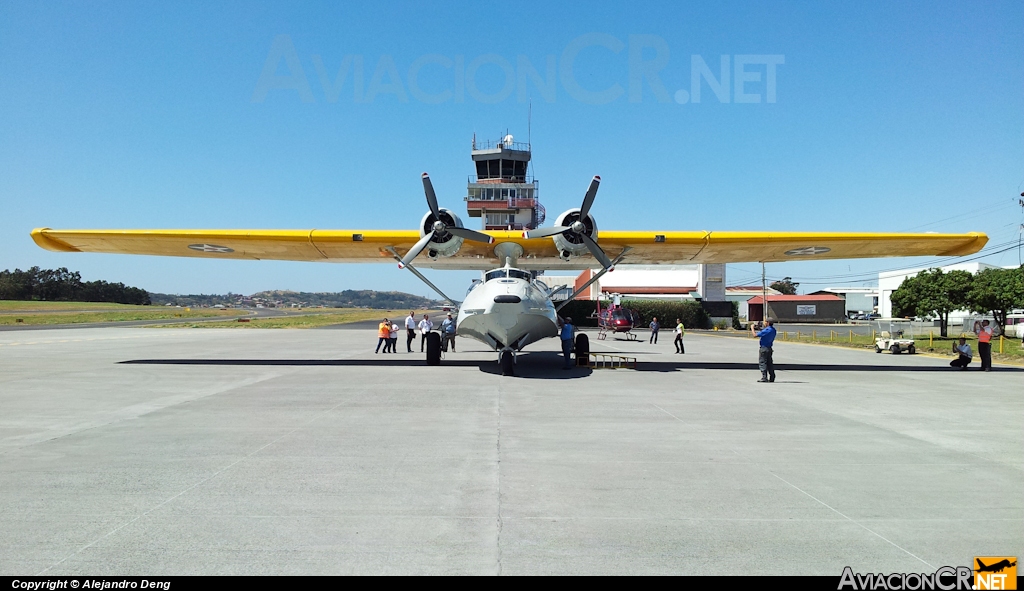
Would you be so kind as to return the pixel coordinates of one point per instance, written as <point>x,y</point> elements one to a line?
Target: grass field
<point>36,313</point>
<point>1012,352</point>
<point>313,320</point>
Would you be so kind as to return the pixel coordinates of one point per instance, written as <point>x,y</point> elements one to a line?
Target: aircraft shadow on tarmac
<point>725,365</point>
<point>537,365</point>
<point>548,365</point>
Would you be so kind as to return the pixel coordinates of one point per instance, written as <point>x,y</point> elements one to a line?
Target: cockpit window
<point>502,273</point>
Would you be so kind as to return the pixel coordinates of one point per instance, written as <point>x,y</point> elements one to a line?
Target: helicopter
<point>616,320</point>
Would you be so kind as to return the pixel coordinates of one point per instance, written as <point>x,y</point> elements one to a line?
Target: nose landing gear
<point>507,361</point>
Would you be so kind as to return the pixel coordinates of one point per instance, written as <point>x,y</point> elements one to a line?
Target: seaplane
<point>509,308</point>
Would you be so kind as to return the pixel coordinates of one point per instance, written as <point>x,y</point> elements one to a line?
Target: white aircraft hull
<point>507,323</point>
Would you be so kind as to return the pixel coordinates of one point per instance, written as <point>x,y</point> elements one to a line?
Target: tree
<point>932,292</point>
<point>998,291</point>
<point>63,285</point>
<point>18,284</point>
<point>785,286</point>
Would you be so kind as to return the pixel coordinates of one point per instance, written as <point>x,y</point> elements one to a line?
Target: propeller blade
<point>544,232</point>
<point>428,188</point>
<point>471,235</point>
<point>597,252</point>
<point>415,250</point>
<point>588,199</point>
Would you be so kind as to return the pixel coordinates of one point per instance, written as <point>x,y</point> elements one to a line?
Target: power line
<point>988,251</point>
<point>966,260</point>
<point>971,213</point>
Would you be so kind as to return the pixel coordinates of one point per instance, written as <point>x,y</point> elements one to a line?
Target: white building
<point>668,282</point>
<point>741,293</point>
<point>888,282</point>
<point>859,300</point>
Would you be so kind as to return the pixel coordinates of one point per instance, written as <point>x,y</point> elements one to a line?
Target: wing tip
<point>976,243</point>
<point>49,243</point>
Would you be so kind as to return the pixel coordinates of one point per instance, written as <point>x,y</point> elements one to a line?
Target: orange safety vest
<point>383,331</point>
<point>985,335</point>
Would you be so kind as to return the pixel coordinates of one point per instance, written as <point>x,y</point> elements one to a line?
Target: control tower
<point>501,192</point>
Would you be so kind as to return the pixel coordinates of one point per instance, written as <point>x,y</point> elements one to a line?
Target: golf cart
<point>893,336</point>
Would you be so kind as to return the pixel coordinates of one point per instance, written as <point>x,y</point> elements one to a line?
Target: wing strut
<point>594,278</point>
<point>422,278</point>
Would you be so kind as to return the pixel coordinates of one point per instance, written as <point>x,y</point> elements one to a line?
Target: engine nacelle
<point>445,244</point>
<point>568,243</point>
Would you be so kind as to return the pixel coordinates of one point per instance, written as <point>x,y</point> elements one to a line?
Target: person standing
<point>567,333</point>
<point>654,331</point>
<point>425,327</point>
<point>680,331</point>
<point>764,355</point>
<point>383,334</point>
<point>448,333</point>
<point>394,337</point>
<point>410,328</point>
<point>964,355</point>
<point>984,332</point>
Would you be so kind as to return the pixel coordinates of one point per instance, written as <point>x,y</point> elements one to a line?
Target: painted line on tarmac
<point>865,350</point>
<point>189,489</point>
<point>69,341</point>
<point>823,503</point>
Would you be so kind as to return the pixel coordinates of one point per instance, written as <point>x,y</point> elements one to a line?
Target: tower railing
<point>511,180</point>
<point>496,144</point>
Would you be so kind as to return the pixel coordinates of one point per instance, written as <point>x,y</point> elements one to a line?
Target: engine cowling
<point>569,243</point>
<point>445,244</point>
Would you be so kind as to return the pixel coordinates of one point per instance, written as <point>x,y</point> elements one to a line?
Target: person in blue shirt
<point>764,356</point>
<point>448,333</point>
<point>567,333</point>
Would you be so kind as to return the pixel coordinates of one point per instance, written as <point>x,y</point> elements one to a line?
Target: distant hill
<point>194,300</point>
<point>352,298</point>
<point>364,298</point>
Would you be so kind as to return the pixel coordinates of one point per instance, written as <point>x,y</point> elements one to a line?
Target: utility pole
<point>764,295</point>
<point>1020,232</point>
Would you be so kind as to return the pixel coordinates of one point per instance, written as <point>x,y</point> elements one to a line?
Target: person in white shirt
<point>964,352</point>
<point>394,337</point>
<point>425,327</point>
<point>410,328</point>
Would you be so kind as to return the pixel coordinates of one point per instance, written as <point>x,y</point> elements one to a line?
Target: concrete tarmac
<point>241,451</point>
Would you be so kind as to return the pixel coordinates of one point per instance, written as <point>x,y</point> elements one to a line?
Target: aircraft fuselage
<point>508,310</point>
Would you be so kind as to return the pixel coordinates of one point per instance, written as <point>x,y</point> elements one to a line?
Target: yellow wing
<point>375,246</point>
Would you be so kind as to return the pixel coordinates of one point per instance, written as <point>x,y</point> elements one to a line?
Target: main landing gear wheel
<point>433,349</point>
<point>582,349</point>
<point>507,363</point>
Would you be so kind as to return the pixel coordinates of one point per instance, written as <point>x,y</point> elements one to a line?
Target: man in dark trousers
<point>654,331</point>
<point>410,329</point>
<point>566,334</point>
<point>984,332</point>
<point>764,356</point>
<point>964,354</point>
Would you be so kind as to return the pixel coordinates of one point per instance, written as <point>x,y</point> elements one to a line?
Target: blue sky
<point>887,116</point>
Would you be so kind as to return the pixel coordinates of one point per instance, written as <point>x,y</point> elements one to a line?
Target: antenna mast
<point>529,133</point>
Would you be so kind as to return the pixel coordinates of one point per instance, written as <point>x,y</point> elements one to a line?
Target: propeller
<point>439,228</point>
<point>578,227</point>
